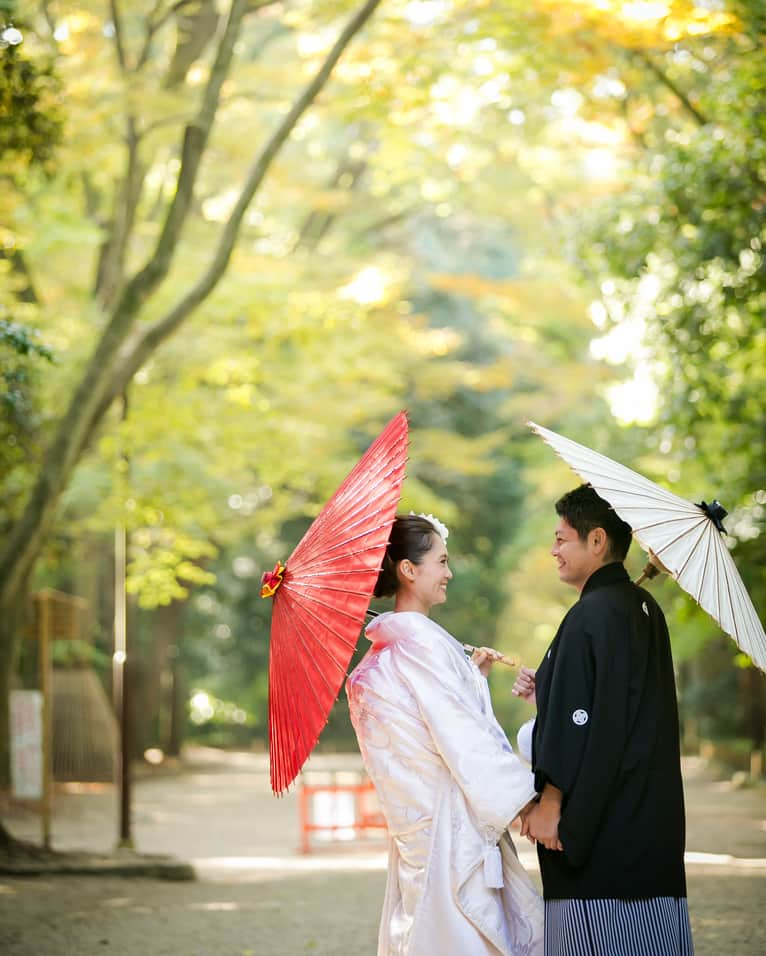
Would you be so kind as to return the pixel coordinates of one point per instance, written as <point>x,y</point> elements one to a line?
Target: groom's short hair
<point>584,509</point>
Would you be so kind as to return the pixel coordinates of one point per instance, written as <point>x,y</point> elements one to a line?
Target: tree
<point>679,258</point>
<point>126,340</point>
<point>29,136</point>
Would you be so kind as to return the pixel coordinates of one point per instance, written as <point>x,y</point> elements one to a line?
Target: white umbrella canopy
<point>683,539</point>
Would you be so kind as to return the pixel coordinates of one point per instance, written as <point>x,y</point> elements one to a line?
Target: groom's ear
<point>599,542</point>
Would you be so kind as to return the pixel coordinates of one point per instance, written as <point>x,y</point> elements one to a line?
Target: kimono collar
<point>613,573</point>
<point>392,626</point>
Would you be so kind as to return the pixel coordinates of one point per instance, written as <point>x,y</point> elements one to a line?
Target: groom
<point>609,823</point>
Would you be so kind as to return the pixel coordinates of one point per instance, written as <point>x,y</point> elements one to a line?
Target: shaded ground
<point>257,896</point>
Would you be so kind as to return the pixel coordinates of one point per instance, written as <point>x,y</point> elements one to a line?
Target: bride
<point>448,782</point>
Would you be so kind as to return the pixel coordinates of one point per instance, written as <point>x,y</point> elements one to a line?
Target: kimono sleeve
<point>495,783</point>
<point>585,729</point>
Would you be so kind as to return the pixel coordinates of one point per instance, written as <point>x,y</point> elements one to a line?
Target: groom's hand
<point>524,685</point>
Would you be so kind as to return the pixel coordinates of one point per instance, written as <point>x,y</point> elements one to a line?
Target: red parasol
<point>320,599</point>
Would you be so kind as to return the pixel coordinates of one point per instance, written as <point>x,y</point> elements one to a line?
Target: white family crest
<point>580,717</point>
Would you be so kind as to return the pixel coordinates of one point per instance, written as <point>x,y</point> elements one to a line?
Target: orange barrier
<point>338,807</point>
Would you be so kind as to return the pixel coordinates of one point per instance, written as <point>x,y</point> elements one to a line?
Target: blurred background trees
<point>489,213</point>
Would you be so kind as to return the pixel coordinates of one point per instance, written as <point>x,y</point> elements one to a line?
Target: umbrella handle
<point>653,567</point>
<point>501,659</point>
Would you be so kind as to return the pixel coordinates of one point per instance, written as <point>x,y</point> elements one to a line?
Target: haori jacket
<point>449,785</point>
<point>607,735</point>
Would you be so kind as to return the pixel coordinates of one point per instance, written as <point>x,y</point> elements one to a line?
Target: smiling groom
<point>610,823</point>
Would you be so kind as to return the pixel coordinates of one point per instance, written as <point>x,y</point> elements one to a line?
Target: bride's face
<point>430,577</point>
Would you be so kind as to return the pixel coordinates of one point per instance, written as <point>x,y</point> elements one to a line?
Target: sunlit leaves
<point>164,564</point>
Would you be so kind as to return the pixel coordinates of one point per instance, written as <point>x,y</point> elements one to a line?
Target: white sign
<point>27,744</point>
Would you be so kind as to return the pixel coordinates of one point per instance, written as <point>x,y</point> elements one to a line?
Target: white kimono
<point>449,785</point>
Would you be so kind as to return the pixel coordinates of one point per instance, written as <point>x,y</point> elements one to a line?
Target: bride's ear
<point>405,567</point>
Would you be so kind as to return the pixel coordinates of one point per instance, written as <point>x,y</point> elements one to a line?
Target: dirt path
<point>258,897</point>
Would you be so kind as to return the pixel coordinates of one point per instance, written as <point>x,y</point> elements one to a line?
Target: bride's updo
<point>411,538</point>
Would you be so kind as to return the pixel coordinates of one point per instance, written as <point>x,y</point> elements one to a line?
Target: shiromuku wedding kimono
<point>449,785</point>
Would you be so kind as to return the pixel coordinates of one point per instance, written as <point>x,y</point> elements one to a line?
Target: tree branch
<point>155,23</point>
<point>141,347</point>
<point>118,41</point>
<point>27,293</point>
<point>673,87</point>
<point>93,395</point>
<point>114,360</point>
<point>318,222</point>
<point>110,269</point>
<point>194,142</point>
<point>110,274</point>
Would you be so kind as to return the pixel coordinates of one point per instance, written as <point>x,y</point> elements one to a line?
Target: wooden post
<point>44,664</point>
<point>120,685</point>
<point>58,616</point>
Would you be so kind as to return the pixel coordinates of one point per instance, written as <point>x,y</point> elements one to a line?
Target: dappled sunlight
<point>725,860</point>
<point>368,287</point>
<point>424,222</point>
<point>218,906</point>
<point>118,902</point>
<point>636,400</point>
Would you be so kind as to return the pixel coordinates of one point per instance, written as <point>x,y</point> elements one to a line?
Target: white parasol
<point>683,539</point>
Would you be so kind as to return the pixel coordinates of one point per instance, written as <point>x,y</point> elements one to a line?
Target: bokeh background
<point>226,261</point>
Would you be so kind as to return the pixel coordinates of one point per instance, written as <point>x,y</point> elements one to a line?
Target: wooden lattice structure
<point>63,617</point>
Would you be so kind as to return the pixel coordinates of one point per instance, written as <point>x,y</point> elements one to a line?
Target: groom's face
<point>577,559</point>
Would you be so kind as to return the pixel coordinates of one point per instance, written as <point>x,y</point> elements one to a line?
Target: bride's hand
<point>484,658</point>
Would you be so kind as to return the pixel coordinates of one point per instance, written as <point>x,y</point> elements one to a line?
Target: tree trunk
<point>197,23</point>
<point>165,634</point>
<point>177,705</point>
<point>13,620</point>
<point>755,707</point>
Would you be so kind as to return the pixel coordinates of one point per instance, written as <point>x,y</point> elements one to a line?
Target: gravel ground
<point>257,896</point>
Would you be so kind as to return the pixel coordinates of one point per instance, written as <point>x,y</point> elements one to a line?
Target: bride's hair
<point>411,538</point>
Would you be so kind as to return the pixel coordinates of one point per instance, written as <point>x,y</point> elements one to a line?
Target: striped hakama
<point>645,927</point>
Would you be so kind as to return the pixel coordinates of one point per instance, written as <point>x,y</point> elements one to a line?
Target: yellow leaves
<point>74,28</point>
<point>471,285</point>
<point>493,377</point>
<point>163,561</point>
<point>636,23</point>
<point>229,372</point>
<point>242,395</point>
<point>437,342</point>
<point>529,298</point>
<point>456,453</point>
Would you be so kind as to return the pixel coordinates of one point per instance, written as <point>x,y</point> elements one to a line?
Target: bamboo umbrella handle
<point>500,659</point>
<point>653,567</point>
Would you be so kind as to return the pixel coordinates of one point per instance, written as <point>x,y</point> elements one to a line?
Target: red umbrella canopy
<point>320,599</point>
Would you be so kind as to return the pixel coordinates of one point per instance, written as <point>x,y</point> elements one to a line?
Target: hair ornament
<point>439,528</point>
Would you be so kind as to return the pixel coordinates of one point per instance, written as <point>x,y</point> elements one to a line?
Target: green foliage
<point>32,124</point>
<point>407,249</point>
<point>680,253</point>
<point>30,132</point>
<point>76,653</point>
<point>20,352</point>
